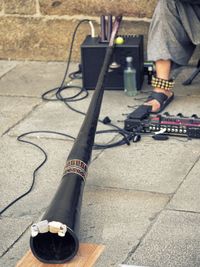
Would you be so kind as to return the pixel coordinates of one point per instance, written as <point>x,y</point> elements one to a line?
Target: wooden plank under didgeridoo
<point>86,257</point>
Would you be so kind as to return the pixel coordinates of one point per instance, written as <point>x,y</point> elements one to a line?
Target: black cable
<point>127,136</point>
<point>73,75</point>
<point>19,138</point>
<point>68,99</point>
<point>62,87</point>
<point>69,58</point>
<point>76,74</point>
<point>125,140</point>
<point>74,98</point>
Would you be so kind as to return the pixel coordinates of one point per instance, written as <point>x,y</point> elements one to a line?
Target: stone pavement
<point>141,201</point>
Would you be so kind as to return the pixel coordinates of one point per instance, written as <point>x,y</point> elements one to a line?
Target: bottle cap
<point>129,59</point>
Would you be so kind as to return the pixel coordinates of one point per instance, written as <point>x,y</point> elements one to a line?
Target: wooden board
<point>86,257</point>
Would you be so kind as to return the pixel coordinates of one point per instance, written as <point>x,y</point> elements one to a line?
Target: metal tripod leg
<point>193,75</point>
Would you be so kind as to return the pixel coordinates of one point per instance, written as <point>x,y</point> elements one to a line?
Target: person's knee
<point>166,3</point>
<point>165,7</point>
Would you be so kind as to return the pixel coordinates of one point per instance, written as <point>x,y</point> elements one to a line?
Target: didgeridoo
<point>55,238</point>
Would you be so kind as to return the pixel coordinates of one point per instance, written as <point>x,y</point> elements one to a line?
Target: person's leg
<point>163,69</point>
<point>168,42</point>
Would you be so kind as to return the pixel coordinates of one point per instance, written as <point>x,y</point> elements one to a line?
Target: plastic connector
<point>57,228</point>
<point>106,120</point>
<point>40,227</point>
<point>92,29</point>
<point>45,226</point>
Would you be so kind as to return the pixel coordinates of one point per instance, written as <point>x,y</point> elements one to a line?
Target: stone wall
<point>42,29</point>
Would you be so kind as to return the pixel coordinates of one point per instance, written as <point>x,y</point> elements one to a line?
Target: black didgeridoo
<point>47,246</point>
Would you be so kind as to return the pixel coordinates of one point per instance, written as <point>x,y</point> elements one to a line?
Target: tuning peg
<point>194,116</point>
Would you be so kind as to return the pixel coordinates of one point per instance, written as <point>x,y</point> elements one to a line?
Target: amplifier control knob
<point>180,115</point>
<point>166,114</point>
<point>194,116</point>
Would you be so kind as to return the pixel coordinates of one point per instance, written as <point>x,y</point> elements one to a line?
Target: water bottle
<point>130,84</point>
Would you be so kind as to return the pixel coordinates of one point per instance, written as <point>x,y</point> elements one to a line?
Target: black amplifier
<point>92,57</point>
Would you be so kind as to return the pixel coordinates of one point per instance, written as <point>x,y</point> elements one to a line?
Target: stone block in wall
<point>26,7</point>
<point>48,39</point>
<point>132,8</point>
<point>1,5</point>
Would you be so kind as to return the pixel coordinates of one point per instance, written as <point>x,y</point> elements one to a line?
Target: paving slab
<point>10,231</point>
<point>117,219</point>
<point>148,165</point>
<point>187,196</point>
<point>17,251</point>
<point>191,90</point>
<point>173,241</point>
<point>17,164</point>
<point>13,110</point>
<point>53,116</point>
<point>116,103</point>
<point>56,116</point>
<point>6,66</point>
<point>33,78</point>
<point>107,219</point>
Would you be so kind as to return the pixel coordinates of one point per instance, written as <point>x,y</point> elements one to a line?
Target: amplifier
<point>92,57</point>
